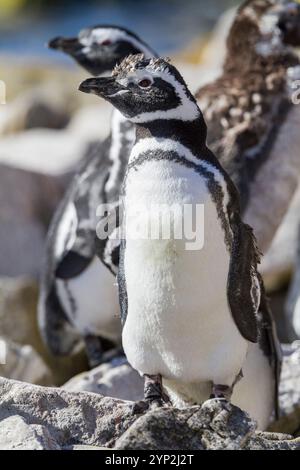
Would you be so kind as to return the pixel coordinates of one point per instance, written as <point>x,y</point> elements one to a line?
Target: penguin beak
<point>68,45</point>
<point>106,87</point>
<point>290,24</point>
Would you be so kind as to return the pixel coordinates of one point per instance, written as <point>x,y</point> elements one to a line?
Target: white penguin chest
<point>91,301</point>
<point>178,323</point>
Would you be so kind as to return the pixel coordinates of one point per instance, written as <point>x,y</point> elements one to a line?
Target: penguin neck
<point>117,124</point>
<point>122,140</point>
<point>191,134</point>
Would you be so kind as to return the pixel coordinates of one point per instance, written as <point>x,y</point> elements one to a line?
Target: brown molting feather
<point>134,62</point>
<point>128,64</point>
<point>246,106</point>
<point>246,34</point>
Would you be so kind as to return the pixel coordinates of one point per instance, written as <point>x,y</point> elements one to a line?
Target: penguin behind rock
<point>253,124</point>
<point>78,296</point>
<point>190,315</point>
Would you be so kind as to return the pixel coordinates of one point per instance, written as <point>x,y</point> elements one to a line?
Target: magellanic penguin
<point>78,292</point>
<point>191,318</point>
<point>253,124</point>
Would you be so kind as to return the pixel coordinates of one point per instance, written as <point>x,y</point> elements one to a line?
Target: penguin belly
<point>91,302</point>
<point>254,393</point>
<point>179,323</point>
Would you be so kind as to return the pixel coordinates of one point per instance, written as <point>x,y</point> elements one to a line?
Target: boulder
<point>18,299</point>
<point>43,151</point>
<point>115,379</point>
<point>52,151</point>
<point>42,106</point>
<point>24,363</point>
<point>289,391</point>
<point>53,418</point>
<point>18,306</point>
<point>27,437</point>
<point>56,418</point>
<point>70,418</point>
<point>216,425</point>
<point>28,200</point>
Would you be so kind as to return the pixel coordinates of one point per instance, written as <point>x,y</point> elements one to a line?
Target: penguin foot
<point>222,392</point>
<point>140,407</point>
<point>162,402</point>
<point>154,395</point>
<point>149,404</point>
<point>94,350</point>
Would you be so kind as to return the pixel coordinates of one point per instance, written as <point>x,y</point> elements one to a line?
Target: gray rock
<point>291,310</point>
<point>18,298</point>
<point>17,435</point>
<point>115,379</point>
<point>24,363</point>
<point>67,420</point>
<point>36,107</point>
<point>216,425</point>
<point>272,441</point>
<point>82,447</point>
<point>27,203</point>
<point>289,393</point>
<point>70,418</point>
<point>18,306</point>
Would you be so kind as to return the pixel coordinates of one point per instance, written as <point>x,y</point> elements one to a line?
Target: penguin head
<point>145,90</point>
<point>266,27</point>
<point>98,49</point>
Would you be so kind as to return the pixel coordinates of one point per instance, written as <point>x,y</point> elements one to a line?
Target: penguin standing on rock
<point>253,124</point>
<point>78,292</point>
<point>191,319</point>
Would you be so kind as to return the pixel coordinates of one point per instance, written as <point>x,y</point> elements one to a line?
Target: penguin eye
<point>145,83</point>
<point>106,42</point>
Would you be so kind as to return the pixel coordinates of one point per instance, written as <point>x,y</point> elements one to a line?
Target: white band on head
<point>113,34</point>
<point>187,110</point>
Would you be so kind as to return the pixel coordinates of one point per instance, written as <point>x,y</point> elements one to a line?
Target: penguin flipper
<point>243,288</point>
<point>107,242</point>
<point>122,283</point>
<point>86,195</point>
<point>72,265</point>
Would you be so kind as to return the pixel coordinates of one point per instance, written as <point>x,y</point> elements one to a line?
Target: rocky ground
<point>94,409</point>
<point>34,417</point>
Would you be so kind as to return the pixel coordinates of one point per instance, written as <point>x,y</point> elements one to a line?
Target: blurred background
<point>167,24</point>
<point>46,126</point>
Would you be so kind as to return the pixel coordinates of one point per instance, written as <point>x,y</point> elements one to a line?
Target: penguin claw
<point>140,407</point>
<point>149,404</point>
<point>162,402</point>
<point>216,399</point>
